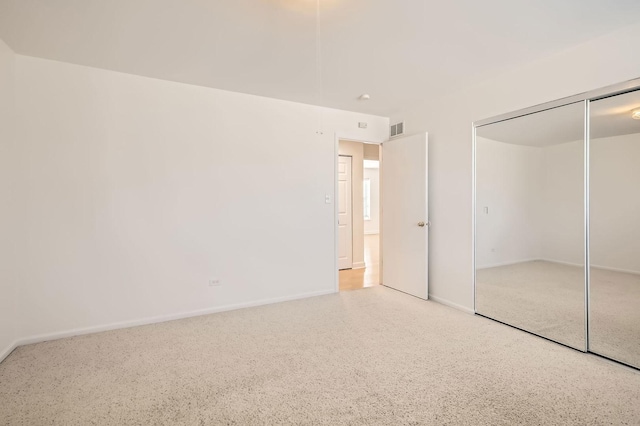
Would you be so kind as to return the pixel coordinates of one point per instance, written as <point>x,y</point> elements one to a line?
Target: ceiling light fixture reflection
<point>635,114</point>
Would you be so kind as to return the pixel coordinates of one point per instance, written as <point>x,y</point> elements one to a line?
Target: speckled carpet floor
<point>367,357</point>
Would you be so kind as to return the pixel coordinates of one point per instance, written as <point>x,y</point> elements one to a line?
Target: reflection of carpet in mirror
<point>548,299</point>
<point>614,318</point>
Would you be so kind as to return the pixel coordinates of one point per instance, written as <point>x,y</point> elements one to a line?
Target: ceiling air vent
<point>397,129</point>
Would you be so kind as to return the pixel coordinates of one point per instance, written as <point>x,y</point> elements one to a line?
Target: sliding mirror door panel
<point>614,308</point>
<point>530,229</point>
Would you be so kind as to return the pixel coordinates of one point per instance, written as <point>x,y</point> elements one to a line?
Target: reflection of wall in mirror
<point>615,203</point>
<point>507,202</point>
<point>534,197</point>
<point>562,212</point>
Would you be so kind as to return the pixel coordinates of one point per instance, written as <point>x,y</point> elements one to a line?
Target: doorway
<point>358,215</point>
<point>397,256</point>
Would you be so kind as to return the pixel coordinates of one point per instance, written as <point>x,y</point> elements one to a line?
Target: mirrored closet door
<point>530,223</point>
<point>614,308</point>
<point>557,221</point>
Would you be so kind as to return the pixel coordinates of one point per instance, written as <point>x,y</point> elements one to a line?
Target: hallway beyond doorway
<point>354,279</point>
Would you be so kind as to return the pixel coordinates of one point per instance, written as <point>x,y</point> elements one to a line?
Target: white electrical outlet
<point>215,282</point>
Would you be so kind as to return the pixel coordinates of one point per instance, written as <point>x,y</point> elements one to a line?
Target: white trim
<point>604,268</point>
<point>625,271</point>
<point>513,262</point>
<point>336,213</point>
<point>375,232</point>
<point>451,304</point>
<point>562,262</point>
<point>473,217</point>
<point>358,265</point>
<point>4,354</point>
<point>162,318</point>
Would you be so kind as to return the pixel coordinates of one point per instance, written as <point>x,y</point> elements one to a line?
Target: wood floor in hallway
<point>354,279</point>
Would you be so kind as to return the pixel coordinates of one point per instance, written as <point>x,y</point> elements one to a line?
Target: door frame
<point>336,153</point>
<point>350,157</point>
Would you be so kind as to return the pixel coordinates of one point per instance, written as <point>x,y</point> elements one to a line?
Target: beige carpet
<point>548,299</point>
<point>366,357</point>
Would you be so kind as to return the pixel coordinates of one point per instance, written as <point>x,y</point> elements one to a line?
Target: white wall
<point>509,188</point>
<point>372,226</point>
<point>545,187</point>
<point>140,190</point>
<point>10,212</point>
<point>535,197</point>
<point>448,120</point>
<point>561,217</point>
<point>615,203</point>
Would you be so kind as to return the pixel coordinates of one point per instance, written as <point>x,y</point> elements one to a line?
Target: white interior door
<point>345,220</point>
<point>405,226</point>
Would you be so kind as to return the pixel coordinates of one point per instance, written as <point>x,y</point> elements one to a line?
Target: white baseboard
<point>158,319</point>
<point>372,232</point>
<point>562,262</point>
<point>6,352</point>
<point>624,271</point>
<point>451,304</point>
<point>604,268</point>
<point>358,265</point>
<point>513,262</point>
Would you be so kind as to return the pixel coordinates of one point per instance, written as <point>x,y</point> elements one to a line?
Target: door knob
<point>421,224</point>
